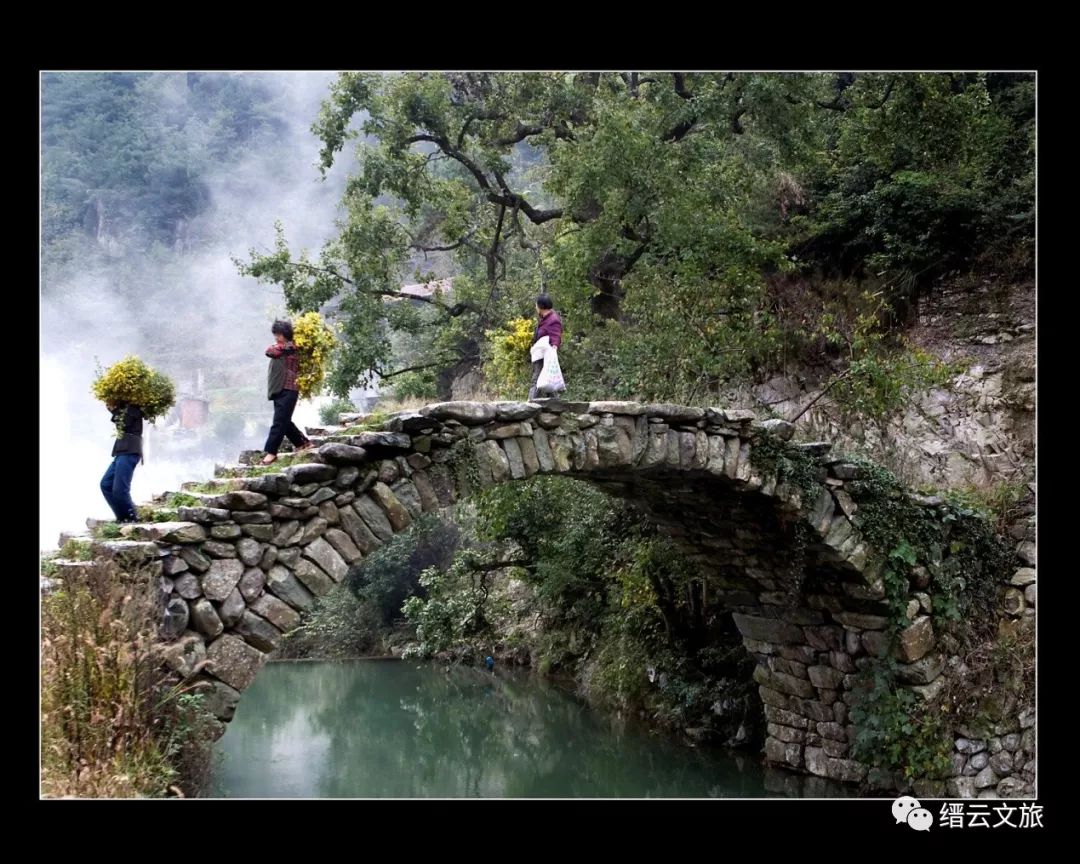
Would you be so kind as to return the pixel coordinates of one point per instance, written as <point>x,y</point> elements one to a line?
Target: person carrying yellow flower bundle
<point>132,392</point>
<point>127,454</point>
<point>283,391</point>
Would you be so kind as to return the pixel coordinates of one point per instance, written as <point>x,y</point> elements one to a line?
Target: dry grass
<point>114,723</point>
<point>996,679</point>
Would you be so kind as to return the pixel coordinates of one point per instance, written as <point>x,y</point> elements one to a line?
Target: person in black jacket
<point>127,453</point>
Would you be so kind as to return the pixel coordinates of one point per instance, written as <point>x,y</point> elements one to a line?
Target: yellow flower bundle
<point>131,381</point>
<point>315,342</point>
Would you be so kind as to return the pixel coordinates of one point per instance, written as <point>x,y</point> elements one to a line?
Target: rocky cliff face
<point>977,432</point>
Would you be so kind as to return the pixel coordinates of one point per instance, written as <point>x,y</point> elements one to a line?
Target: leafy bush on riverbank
<point>331,411</point>
<point>364,617</point>
<point>573,579</point>
<point>340,625</point>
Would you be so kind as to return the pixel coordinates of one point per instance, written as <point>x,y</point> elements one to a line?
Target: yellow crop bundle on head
<point>315,342</point>
<point>508,365</point>
<point>133,382</point>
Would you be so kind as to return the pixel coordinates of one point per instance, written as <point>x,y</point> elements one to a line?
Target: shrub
<point>329,413</point>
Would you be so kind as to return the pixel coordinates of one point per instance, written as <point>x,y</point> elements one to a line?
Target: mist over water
<point>192,313</point>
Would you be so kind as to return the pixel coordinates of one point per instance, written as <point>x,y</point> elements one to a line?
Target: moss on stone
<point>76,550</point>
<point>770,455</point>
<point>108,530</point>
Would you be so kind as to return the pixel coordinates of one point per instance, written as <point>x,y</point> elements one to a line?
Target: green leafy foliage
<point>895,730</point>
<point>415,385</point>
<point>395,571</point>
<point>107,531</point>
<point>332,410</point>
<point>661,211</point>
<point>76,550</point>
<point>664,212</point>
<point>928,172</point>
<point>338,626</point>
<point>613,601</point>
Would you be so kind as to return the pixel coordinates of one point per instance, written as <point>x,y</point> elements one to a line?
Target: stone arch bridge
<point>241,568</point>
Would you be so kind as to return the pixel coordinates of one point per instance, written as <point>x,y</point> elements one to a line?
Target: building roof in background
<point>428,289</point>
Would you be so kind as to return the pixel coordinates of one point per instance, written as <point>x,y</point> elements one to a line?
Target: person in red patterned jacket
<point>282,391</point>
<point>550,325</point>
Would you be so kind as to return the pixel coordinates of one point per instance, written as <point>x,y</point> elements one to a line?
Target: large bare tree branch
<point>415,244</point>
<point>888,92</point>
<point>456,154</point>
<point>681,130</point>
<point>492,253</point>
<point>736,126</point>
<point>396,372</point>
<point>462,242</point>
<point>517,229</point>
<point>514,200</point>
<point>453,311</point>
<point>489,566</point>
<point>507,198</point>
<point>519,134</point>
<point>817,398</point>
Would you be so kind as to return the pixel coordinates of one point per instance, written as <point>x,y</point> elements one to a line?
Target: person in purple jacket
<point>550,325</point>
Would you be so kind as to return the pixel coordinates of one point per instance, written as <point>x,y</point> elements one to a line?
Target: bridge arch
<point>775,524</point>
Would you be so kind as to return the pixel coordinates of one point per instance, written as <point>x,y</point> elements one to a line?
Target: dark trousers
<point>282,427</point>
<point>116,486</point>
<point>538,367</point>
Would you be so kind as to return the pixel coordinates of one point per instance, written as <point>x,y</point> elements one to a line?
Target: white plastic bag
<point>551,378</point>
<point>539,348</point>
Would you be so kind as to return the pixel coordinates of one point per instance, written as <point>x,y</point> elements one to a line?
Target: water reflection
<point>395,729</point>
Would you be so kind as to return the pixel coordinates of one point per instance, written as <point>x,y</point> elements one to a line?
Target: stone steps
<point>215,486</point>
<point>254,457</point>
<point>322,431</point>
<point>68,567</point>
<point>164,532</point>
<point>137,539</point>
<point>65,536</point>
<point>128,551</point>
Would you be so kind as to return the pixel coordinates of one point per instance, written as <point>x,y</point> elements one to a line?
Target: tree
<point>565,181</point>
<point>658,208</point>
<point>927,173</point>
